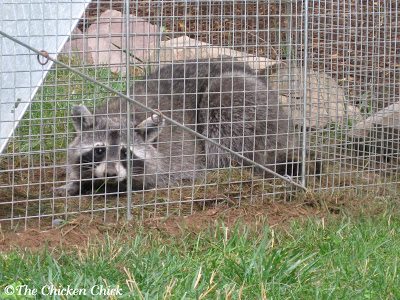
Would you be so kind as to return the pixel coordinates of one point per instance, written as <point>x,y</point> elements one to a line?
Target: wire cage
<point>227,101</point>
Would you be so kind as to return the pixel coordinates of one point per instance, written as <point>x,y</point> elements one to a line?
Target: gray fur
<point>225,101</point>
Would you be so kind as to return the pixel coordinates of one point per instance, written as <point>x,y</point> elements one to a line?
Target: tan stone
<point>107,38</point>
<point>386,117</point>
<point>325,99</point>
<point>77,45</point>
<point>186,48</point>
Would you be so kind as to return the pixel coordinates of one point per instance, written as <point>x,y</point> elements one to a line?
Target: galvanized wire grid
<point>335,65</point>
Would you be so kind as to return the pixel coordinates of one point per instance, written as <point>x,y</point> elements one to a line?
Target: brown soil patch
<point>82,231</point>
<point>272,214</point>
<point>76,233</point>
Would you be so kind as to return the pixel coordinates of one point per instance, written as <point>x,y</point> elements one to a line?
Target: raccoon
<point>224,101</point>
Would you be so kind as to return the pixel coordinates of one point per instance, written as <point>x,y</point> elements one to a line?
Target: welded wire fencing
<point>141,109</point>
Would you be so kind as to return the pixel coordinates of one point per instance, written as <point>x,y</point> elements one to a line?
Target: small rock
<point>57,222</point>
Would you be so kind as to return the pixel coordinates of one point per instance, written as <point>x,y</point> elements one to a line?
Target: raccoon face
<point>99,153</point>
<point>104,161</point>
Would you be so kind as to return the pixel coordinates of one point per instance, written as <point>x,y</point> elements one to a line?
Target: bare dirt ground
<point>83,230</point>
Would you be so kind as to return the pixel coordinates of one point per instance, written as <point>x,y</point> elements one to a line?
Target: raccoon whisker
<point>100,187</point>
<point>87,168</point>
<point>138,172</point>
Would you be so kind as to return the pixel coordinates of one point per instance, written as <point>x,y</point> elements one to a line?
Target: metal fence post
<point>128,109</point>
<point>304,132</point>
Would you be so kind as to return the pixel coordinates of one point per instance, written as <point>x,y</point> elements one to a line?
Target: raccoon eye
<point>99,150</point>
<point>124,153</point>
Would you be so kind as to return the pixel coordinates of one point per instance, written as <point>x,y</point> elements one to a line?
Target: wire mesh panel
<point>158,108</point>
<point>355,43</point>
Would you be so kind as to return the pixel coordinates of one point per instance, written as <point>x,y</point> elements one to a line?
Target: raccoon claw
<point>60,191</point>
<point>157,119</point>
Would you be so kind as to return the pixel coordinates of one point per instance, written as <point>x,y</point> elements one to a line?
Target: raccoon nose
<point>111,172</point>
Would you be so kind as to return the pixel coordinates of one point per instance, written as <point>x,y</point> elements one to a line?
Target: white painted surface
<point>43,24</point>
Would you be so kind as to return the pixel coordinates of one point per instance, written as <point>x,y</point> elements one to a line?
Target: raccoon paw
<point>70,189</point>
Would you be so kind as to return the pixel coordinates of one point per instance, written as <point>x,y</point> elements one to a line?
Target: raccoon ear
<point>151,128</point>
<point>82,118</point>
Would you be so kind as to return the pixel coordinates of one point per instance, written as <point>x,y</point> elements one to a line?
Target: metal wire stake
<point>128,117</point>
<point>304,133</point>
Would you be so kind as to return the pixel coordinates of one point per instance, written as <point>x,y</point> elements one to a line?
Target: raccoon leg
<point>293,167</point>
<point>69,189</point>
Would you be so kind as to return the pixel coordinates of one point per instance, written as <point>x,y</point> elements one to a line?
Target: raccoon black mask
<point>97,157</point>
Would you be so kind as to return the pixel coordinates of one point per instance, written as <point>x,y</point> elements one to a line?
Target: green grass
<point>340,259</point>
